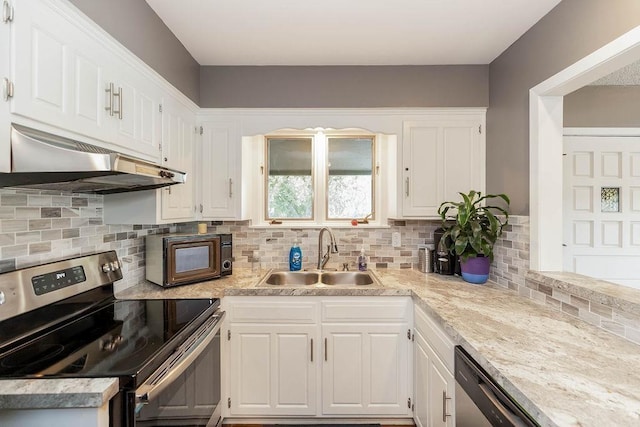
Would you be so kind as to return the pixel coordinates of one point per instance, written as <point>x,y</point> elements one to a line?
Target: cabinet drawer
<point>272,312</point>
<point>435,336</point>
<point>367,310</point>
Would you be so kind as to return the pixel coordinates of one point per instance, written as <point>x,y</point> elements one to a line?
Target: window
<point>350,178</point>
<point>289,185</point>
<point>319,178</point>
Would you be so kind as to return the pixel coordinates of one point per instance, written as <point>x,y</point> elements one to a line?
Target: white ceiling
<point>348,32</point>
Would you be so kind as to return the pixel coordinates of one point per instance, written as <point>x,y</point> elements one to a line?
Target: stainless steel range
<point>61,320</point>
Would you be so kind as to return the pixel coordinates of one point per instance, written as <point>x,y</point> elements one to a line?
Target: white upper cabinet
<point>179,135</point>
<point>441,156</point>
<point>175,203</point>
<point>5,74</point>
<point>219,174</point>
<point>68,77</point>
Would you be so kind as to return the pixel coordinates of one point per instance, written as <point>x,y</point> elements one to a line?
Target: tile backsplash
<point>511,255</point>
<point>272,245</point>
<point>43,226</point>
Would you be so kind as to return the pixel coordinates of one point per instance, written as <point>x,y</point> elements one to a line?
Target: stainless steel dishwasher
<point>480,401</point>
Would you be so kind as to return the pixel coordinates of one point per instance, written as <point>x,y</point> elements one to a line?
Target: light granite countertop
<point>62,393</point>
<point>563,371</point>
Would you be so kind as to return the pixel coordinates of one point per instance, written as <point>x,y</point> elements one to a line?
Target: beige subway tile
<point>39,200</point>
<point>14,225</point>
<point>13,200</point>
<point>39,248</point>
<point>15,251</point>
<point>28,237</point>
<point>27,213</point>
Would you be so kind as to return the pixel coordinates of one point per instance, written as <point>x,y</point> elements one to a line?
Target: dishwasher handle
<point>512,418</point>
<point>179,361</point>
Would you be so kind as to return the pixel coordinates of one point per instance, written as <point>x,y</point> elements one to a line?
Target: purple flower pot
<point>475,270</point>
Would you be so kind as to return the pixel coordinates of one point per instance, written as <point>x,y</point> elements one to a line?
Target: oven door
<point>185,390</point>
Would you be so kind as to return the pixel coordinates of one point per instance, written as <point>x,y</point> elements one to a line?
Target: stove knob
<point>2,298</point>
<point>226,264</point>
<point>115,265</point>
<point>106,268</point>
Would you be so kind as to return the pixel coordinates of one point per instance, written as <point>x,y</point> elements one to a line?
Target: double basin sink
<point>319,278</point>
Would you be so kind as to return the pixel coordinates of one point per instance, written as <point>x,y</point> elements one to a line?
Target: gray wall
<point>569,32</point>
<point>345,86</point>
<point>603,106</point>
<point>156,45</point>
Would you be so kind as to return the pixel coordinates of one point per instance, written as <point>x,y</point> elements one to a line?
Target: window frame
<point>383,175</point>
<point>265,180</point>
<point>340,135</point>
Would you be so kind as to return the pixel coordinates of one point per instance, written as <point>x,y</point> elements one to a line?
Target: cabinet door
<point>137,118</point>
<point>365,369</point>
<point>440,158</point>
<point>421,365</point>
<point>178,143</point>
<point>422,169</point>
<point>58,71</point>
<point>464,158</point>
<point>5,73</point>
<point>272,371</point>
<point>441,394</point>
<point>220,171</point>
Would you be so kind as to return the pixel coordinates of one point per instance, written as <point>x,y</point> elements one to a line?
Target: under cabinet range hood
<point>48,162</point>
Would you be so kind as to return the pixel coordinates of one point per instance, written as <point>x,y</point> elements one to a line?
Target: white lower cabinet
<point>318,356</point>
<point>272,371</point>
<point>434,383</point>
<point>365,369</point>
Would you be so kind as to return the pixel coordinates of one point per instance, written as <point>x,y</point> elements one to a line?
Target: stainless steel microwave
<point>180,259</point>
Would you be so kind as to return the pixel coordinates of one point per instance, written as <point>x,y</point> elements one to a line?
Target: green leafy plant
<point>474,228</point>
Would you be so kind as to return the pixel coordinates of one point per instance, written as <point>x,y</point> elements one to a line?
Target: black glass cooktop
<point>123,338</point>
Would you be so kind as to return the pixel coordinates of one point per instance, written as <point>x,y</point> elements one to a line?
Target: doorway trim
<point>545,143</point>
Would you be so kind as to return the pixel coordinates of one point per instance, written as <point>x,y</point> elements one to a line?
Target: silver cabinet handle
<point>407,186</point>
<point>444,406</point>
<point>230,187</point>
<point>119,96</point>
<point>312,349</point>
<point>109,95</point>
<point>325,349</point>
<point>7,12</point>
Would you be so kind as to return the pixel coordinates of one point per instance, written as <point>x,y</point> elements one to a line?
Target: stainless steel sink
<point>349,278</point>
<point>291,278</point>
<point>319,278</point>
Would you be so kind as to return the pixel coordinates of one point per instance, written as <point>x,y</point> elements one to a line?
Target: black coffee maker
<point>443,261</point>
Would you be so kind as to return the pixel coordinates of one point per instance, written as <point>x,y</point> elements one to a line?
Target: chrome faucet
<point>332,248</point>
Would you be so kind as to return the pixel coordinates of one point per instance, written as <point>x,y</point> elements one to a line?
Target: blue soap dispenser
<point>295,257</point>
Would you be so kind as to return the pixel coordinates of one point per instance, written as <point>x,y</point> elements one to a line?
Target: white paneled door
<point>601,210</point>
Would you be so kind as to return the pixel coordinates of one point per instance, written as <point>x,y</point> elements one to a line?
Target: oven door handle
<point>179,361</point>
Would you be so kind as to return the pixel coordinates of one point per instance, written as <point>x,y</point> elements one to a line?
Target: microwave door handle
<point>148,390</point>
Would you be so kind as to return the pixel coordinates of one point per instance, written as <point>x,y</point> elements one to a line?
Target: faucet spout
<point>332,248</point>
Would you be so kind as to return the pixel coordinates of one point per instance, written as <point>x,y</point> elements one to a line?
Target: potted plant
<point>473,231</point>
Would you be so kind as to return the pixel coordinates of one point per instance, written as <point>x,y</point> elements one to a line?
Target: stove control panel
<point>49,282</point>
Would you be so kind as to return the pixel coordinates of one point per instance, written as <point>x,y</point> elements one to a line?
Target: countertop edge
<point>57,393</point>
